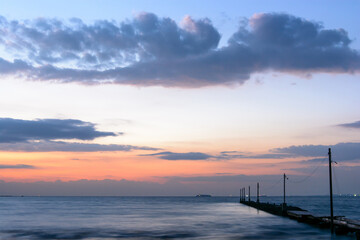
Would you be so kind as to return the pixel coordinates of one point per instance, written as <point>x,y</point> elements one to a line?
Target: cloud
<point>270,156</point>
<point>237,154</point>
<point>340,152</point>
<point>18,130</point>
<point>17,166</point>
<point>38,136</point>
<point>226,178</point>
<point>225,155</point>
<point>317,153</point>
<point>315,160</point>
<point>105,44</point>
<point>59,146</point>
<point>350,125</point>
<point>180,156</point>
<point>149,50</point>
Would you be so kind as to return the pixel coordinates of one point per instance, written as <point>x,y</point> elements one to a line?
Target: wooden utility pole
<point>331,195</point>
<point>284,203</point>
<point>257,199</point>
<point>249,193</point>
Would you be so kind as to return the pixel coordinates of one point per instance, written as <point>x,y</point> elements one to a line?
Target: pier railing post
<point>331,195</point>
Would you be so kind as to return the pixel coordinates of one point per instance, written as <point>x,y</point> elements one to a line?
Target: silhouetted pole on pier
<point>243,195</point>
<point>257,199</point>
<point>331,195</point>
<point>284,203</point>
<point>249,193</point>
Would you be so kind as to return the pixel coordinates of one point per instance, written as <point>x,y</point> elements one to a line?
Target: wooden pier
<point>337,224</point>
<point>342,225</point>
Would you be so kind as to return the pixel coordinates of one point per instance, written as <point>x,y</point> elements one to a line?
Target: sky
<point>173,98</point>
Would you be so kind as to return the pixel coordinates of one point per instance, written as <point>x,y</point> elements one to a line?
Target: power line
<point>336,181</point>
<point>274,185</point>
<point>311,174</point>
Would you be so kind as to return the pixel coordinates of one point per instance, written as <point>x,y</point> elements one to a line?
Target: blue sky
<point>241,77</point>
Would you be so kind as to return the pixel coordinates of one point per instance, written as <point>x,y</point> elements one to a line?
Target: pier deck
<point>342,225</point>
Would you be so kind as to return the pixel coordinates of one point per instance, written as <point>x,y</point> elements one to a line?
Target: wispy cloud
<point>237,154</point>
<point>225,178</point>
<point>225,155</point>
<point>348,151</point>
<point>350,125</point>
<point>180,156</point>
<point>60,146</point>
<point>17,166</point>
<point>149,50</point>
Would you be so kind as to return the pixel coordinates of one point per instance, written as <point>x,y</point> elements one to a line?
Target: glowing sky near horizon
<point>188,124</point>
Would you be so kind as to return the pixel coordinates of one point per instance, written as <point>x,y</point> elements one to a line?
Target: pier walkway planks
<point>342,225</point>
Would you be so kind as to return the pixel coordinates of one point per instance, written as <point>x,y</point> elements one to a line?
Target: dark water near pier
<point>159,218</point>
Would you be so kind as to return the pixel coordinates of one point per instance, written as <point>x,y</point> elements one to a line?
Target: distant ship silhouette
<point>203,195</point>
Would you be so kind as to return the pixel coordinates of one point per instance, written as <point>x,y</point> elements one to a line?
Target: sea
<point>162,218</point>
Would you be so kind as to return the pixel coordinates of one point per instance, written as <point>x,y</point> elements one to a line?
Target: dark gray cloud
<point>149,50</point>
<point>180,156</point>
<point>350,125</point>
<point>340,152</point>
<point>15,67</point>
<point>18,130</point>
<point>38,136</point>
<point>59,146</point>
<point>17,166</point>
<point>105,44</point>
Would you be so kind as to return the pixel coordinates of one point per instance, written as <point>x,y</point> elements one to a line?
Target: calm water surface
<point>159,218</point>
